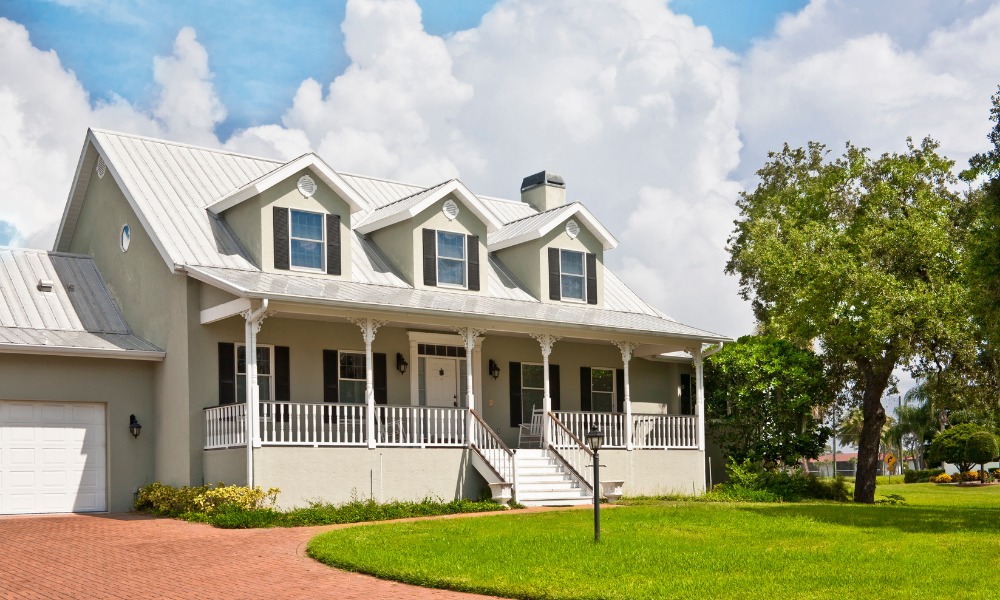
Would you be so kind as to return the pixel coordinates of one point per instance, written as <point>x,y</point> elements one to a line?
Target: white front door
<point>442,382</point>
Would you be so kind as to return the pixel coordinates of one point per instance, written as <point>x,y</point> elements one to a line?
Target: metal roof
<point>52,302</point>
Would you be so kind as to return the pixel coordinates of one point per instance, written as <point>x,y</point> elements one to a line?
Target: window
<point>352,377</point>
<point>532,389</point>
<point>687,395</point>
<point>265,380</point>
<point>450,258</point>
<point>572,275</point>
<point>306,240</point>
<point>602,390</point>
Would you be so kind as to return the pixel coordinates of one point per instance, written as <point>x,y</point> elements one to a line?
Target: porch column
<point>368,329</point>
<point>469,335</point>
<point>699,371</point>
<point>546,341</point>
<point>627,348</point>
<point>254,318</point>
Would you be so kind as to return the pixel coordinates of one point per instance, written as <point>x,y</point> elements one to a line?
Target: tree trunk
<point>871,435</point>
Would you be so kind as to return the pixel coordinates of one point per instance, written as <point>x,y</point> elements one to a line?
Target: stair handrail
<point>570,451</point>
<point>487,440</point>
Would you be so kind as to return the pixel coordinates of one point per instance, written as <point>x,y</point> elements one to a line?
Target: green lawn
<point>945,542</point>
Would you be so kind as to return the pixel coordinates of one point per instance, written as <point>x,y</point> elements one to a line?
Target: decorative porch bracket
<point>254,319</point>
<point>546,341</point>
<point>627,348</point>
<point>469,335</point>
<point>699,370</point>
<point>368,328</point>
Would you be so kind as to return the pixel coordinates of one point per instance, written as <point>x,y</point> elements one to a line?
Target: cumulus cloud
<point>187,105</point>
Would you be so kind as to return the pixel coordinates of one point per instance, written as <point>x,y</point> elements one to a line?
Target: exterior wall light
<point>133,426</point>
<point>401,364</point>
<point>594,439</point>
<point>494,369</point>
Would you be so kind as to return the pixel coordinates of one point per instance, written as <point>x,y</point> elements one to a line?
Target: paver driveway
<point>135,556</point>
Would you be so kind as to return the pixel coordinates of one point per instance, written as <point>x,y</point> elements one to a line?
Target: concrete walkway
<point>136,556</point>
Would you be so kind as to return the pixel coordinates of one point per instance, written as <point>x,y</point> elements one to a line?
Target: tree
<point>764,397</point>
<point>861,257</point>
<point>963,445</point>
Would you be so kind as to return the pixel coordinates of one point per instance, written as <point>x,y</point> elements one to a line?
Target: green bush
<point>920,476</point>
<point>750,482</point>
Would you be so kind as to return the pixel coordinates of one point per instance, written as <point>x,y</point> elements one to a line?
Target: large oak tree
<point>860,258</point>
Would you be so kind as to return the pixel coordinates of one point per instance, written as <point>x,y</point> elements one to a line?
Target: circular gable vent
<point>125,237</point>
<point>102,168</point>
<point>307,186</point>
<point>572,229</point>
<point>450,209</point>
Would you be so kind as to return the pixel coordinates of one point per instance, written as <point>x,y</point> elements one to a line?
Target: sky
<point>657,113</point>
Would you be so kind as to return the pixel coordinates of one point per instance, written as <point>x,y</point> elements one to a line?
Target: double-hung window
<point>572,275</point>
<point>602,390</point>
<point>451,259</point>
<point>352,377</point>
<point>265,380</point>
<point>306,240</point>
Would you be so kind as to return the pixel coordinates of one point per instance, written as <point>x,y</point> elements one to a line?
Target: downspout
<point>252,326</point>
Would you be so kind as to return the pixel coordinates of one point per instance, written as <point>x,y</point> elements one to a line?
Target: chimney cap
<point>542,178</point>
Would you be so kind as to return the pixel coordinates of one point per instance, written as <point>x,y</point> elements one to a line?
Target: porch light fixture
<point>494,369</point>
<point>401,364</point>
<point>594,439</point>
<point>133,426</point>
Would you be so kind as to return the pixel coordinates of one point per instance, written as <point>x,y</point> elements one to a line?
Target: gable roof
<point>538,225</point>
<point>53,303</point>
<point>411,206</point>
<point>306,161</point>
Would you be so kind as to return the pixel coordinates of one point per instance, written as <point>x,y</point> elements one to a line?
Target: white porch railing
<point>570,449</point>
<point>225,426</point>
<point>295,424</point>
<point>648,430</point>
<point>492,449</point>
<point>418,426</point>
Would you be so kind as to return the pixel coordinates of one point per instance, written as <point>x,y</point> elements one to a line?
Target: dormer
<point>436,237</point>
<point>558,253</point>
<point>295,219</point>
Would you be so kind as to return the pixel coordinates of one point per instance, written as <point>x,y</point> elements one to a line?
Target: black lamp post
<point>133,426</point>
<point>594,439</point>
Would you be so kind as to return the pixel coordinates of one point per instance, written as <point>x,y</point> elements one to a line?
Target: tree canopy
<point>963,445</point>
<point>862,257</point>
<point>763,398</point>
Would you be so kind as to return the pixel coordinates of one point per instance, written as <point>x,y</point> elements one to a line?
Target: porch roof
<point>350,294</point>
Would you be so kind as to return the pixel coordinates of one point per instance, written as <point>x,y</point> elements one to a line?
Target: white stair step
<point>555,502</point>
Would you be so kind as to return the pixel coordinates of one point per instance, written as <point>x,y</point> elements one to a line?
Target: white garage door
<point>52,457</point>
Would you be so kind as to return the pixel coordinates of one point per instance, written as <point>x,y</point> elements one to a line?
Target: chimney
<point>543,190</point>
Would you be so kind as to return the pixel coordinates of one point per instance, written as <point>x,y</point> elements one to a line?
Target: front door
<point>442,382</point>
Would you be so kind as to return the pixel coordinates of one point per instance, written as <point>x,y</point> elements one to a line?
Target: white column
<point>252,426</point>
<point>627,348</point>
<point>546,341</point>
<point>469,335</point>
<point>700,394</point>
<point>368,329</point>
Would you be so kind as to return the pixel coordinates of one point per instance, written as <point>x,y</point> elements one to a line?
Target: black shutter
<point>227,373</point>
<point>514,374</point>
<point>331,375</point>
<point>472,247</point>
<point>591,279</point>
<point>686,408</point>
<point>430,257</point>
<point>620,389</point>
<point>585,403</point>
<point>280,238</point>
<point>555,293</point>
<point>554,386</point>
<point>282,375</point>
<point>333,244</point>
<point>380,378</point>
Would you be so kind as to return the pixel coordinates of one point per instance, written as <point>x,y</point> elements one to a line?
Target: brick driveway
<point>135,556</point>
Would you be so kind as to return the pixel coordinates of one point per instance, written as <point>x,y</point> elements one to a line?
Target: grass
<point>933,546</point>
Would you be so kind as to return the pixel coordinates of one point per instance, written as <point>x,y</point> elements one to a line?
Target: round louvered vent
<point>450,209</point>
<point>572,229</point>
<point>125,238</point>
<point>102,168</point>
<point>307,186</point>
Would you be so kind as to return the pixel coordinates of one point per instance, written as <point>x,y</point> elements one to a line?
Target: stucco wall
<point>125,387</point>
<point>655,472</point>
<point>226,465</point>
<point>340,475</point>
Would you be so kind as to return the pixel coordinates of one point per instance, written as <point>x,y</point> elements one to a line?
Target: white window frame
<point>341,378</point>
<point>322,242</point>
<point>583,277</point>
<point>438,258</point>
<point>614,390</point>
<point>243,376</point>
<point>523,387</point>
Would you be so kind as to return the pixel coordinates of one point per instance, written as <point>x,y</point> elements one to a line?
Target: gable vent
<point>450,209</point>
<point>102,167</point>
<point>306,185</point>
<point>572,229</point>
<point>45,285</point>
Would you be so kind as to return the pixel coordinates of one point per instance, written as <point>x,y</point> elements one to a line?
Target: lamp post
<point>594,440</point>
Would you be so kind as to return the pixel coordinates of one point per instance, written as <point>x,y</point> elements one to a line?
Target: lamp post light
<point>594,439</point>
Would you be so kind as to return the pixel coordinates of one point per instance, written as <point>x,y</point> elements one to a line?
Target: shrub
<point>941,478</point>
<point>235,496</point>
<point>996,473</point>
<point>966,476</point>
<point>752,483</point>
<point>920,476</point>
<point>169,501</point>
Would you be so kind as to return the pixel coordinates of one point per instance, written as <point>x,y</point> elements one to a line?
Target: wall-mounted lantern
<point>133,426</point>
<point>494,369</point>
<point>401,364</point>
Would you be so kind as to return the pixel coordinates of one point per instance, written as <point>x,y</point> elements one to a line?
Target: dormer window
<point>572,276</point>
<point>307,241</point>
<point>451,259</point>
<point>451,254</point>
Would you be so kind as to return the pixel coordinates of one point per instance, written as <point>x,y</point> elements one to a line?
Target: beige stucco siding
<point>125,387</point>
<point>655,472</point>
<point>225,465</point>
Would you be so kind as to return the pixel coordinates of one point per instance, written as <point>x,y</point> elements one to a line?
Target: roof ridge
<point>416,193</point>
<point>192,146</point>
<point>541,212</point>
<point>384,180</point>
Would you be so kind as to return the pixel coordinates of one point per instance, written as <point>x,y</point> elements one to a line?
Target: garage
<point>53,457</point>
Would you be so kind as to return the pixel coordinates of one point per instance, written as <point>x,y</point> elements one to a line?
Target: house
<point>390,340</point>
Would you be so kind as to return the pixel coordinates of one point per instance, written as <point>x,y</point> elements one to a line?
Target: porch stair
<point>543,481</point>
